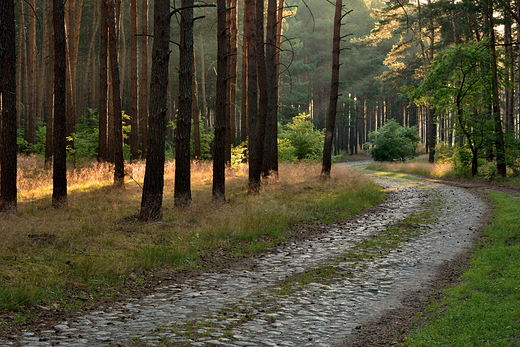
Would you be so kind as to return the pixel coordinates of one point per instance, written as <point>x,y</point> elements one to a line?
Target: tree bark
<point>334,88</point>
<point>203,76</point>
<point>499,142</point>
<point>59,174</point>
<point>219,156</point>
<point>243,106</point>
<point>119,166</point>
<point>103,84</point>
<point>195,112</point>
<point>8,147</point>
<point>151,202</point>
<point>134,129</point>
<point>182,193</point>
<point>30,115</point>
<point>49,91</point>
<point>143,91</point>
<point>256,154</point>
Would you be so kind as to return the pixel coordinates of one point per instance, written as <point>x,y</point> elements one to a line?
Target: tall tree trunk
<point>151,202</point>
<point>432,138</point>
<point>30,115</point>
<point>8,160</point>
<point>59,174</point>
<point>510,91</point>
<point>232,77</point>
<point>134,128</point>
<point>252,88</point>
<point>256,155</point>
<point>22,62</point>
<point>182,192</point>
<point>219,158</point>
<point>203,76</point>
<point>143,91</point>
<point>271,52</point>
<point>119,168</point>
<point>499,142</point>
<point>195,112</point>
<point>243,106</point>
<point>334,88</point>
<point>103,84</point>
<point>73,26</point>
<point>49,90</point>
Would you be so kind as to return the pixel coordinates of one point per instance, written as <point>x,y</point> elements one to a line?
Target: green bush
<point>300,141</point>
<point>393,142</point>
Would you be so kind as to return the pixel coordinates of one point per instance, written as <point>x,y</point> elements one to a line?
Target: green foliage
<point>238,155</point>
<point>206,142</point>
<point>300,141</point>
<point>26,147</point>
<point>393,142</point>
<point>85,137</point>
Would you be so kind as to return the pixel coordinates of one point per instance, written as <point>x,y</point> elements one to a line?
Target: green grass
<point>484,310</point>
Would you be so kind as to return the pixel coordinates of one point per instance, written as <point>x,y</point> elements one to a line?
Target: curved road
<point>251,307</point>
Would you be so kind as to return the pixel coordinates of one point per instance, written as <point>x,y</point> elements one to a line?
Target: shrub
<point>393,142</point>
<point>301,135</point>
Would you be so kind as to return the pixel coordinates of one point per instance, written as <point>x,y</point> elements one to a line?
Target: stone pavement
<point>252,307</point>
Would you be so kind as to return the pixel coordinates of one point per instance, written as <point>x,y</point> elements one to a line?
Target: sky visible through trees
<point>451,68</point>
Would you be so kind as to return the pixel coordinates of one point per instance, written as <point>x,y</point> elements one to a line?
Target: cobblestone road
<point>251,307</point>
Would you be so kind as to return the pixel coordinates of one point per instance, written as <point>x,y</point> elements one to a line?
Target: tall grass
<point>94,244</point>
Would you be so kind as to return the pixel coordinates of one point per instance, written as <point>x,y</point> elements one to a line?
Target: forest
<point>126,80</point>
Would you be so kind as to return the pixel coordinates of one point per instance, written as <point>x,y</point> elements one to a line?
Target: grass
<point>483,310</point>
<point>89,251</point>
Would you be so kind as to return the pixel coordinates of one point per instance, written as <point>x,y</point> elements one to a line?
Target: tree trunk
<point>182,193</point>
<point>203,76</point>
<point>143,91</point>
<point>151,202</point>
<point>59,174</point>
<point>119,168</point>
<point>8,147</point>
<point>499,142</point>
<point>272,50</point>
<point>219,158</point>
<point>243,105</point>
<point>49,91</point>
<point>256,155</point>
<point>103,84</point>
<point>232,77</point>
<point>134,122</point>
<point>252,89</point>
<point>334,88</point>
<point>195,112</point>
<point>30,116</point>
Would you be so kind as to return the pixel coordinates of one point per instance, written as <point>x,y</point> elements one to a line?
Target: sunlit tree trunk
<point>151,202</point>
<point>232,33</point>
<point>59,174</point>
<point>182,190</point>
<point>243,107</point>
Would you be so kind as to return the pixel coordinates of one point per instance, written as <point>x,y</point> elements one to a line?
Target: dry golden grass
<point>418,168</point>
<point>95,241</point>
